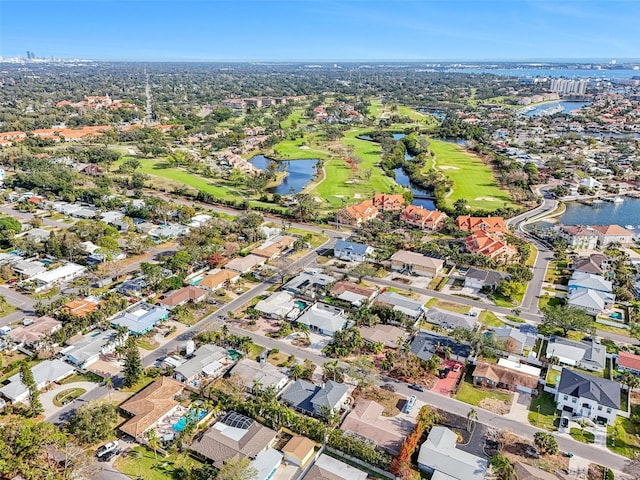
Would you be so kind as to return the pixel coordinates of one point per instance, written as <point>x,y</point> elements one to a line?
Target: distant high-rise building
<point>563,85</point>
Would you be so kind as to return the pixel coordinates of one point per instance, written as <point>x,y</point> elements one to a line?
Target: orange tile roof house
<point>484,224</point>
<point>608,234</point>
<point>492,375</point>
<point>388,203</point>
<point>184,295</point>
<point>420,217</point>
<point>489,245</point>
<point>213,281</point>
<point>274,248</point>
<point>150,405</point>
<point>357,214</point>
<point>299,450</point>
<point>629,361</point>
<point>82,306</point>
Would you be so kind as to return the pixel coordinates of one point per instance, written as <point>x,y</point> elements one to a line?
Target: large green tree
<point>93,422</point>
<point>562,318</point>
<point>26,377</point>
<point>133,369</point>
<point>237,469</point>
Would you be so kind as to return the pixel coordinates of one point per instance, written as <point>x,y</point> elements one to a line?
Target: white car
<point>109,447</point>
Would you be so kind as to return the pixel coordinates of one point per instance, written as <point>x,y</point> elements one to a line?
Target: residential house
<point>596,264</point>
<point>56,276</point>
<point>357,214</point>
<point>587,355</point>
<point>388,335</point>
<point>299,451</point>
<point>352,293</point>
<point>590,182</point>
<point>214,280</point>
<point>147,407</point>
<point>199,220</point>
<point>590,292</point>
<point>44,374</point>
<point>478,279</point>
<point>81,307</point>
<point>324,319</point>
<point>427,344</point>
<point>134,287</point>
<point>237,436</point>
<point>244,264</point>
<point>578,237</point>
<point>416,264</point>
<point>367,421</point>
<point>37,235</point>
<point>515,340</point>
<point>410,308</point>
<point>520,378</point>
<point>439,457</point>
<point>251,373</point>
<point>352,251</point>
<point>314,399</point>
<point>588,396</point>
<point>87,350</point>
<point>183,296</point>
<point>481,224</point>
<point>93,170</point>
<point>329,468</point>
<point>629,362</point>
<point>608,234</point>
<point>309,283</point>
<point>429,220</point>
<point>207,362</point>
<point>32,335</point>
<point>167,231</point>
<point>450,320</point>
<point>28,268</point>
<point>140,318</point>
<point>490,245</point>
<point>386,202</point>
<point>277,306</point>
<point>275,247</point>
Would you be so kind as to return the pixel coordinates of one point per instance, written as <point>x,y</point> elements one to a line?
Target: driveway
<point>520,407</point>
<point>444,386</point>
<point>47,397</point>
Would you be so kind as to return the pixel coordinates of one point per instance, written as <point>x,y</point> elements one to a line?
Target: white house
<point>586,355</point>
<point>324,319</point>
<point>56,276</point>
<point>588,396</point>
<point>277,305</point>
<point>352,251</point>
<point>440,457</point>
<point>44,373</point>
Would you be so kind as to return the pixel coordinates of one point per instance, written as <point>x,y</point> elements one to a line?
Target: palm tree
<point>108,383</point>
<point>136,455</point>
<point>472,418</point>
<point>152,437</point>
<point>3,303</point>
<point>305,330</point>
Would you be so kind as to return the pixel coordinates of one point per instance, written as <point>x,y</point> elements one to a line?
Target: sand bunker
<point>485,199</point>
<point>448,167</point>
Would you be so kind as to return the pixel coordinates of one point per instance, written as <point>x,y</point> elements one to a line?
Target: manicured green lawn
<point>64,397</point>
<point>490,319</point>
<point>553,377</point>
<point>299,149</point>
<point>582,436</point>
<point>450,306</point>
<point>547,418</point>
<point>343,184</point>
<point>315,239</point>
<point>473,179</point>
<point>622,437</point>
<point>474,396</point>
<point>296,116</point>
<point>549,300</point>
<point>164,468</point>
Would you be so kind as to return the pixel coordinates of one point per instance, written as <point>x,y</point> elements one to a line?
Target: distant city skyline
<point>346,30</point>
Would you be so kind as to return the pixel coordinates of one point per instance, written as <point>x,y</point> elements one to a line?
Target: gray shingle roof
<point>425,345</point>
<point>311,398</point>
<point>583,385</point>
<point>354,247</point>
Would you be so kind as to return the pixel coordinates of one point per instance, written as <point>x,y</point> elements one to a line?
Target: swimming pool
<point>616,316</point>
<point>193,416</point>
<point>300,304</point>
<point>197,281</point>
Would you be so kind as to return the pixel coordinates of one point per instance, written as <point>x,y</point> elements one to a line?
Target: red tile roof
<point>629,360</point>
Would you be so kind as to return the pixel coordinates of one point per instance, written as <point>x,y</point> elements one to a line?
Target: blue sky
<point>321,29</point>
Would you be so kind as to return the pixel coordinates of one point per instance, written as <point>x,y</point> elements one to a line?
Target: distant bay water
<point>602,74</point>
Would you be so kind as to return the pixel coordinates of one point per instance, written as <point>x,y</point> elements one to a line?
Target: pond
<point>625,214</point>
<point>299,173</point>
